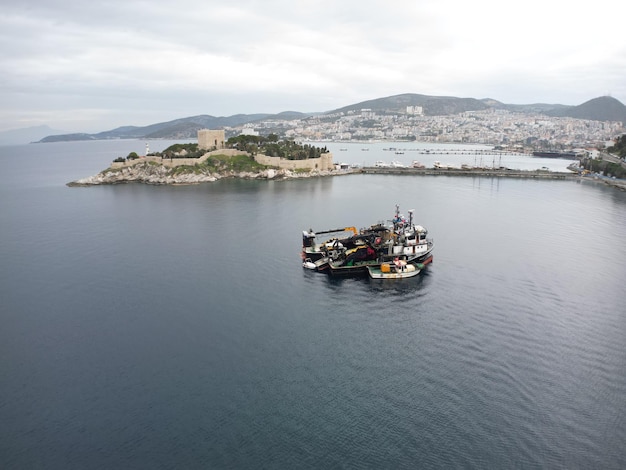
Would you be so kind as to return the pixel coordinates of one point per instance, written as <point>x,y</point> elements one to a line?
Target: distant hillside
<point>184,128</point>
<point>447,105</point>
<point>599,109</point>
<point>432,105</point>
<point>604,108</point>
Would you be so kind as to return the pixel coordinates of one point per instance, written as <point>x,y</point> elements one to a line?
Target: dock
<point>489,172</point>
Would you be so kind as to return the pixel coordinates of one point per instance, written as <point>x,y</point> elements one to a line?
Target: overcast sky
<point>88,66</point>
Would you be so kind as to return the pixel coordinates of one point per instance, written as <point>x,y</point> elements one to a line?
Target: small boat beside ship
<point>398,269</point>
<point>367,249</point>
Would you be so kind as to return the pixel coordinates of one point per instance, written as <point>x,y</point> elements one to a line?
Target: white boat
<point>397,269</point>
<point>397,164</point>
<point>308,264</point>
<point>410,241</point>
<point>444,166</point>
<point>381,164</point>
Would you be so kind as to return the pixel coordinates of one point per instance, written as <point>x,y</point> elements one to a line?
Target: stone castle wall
<point>324,163</point>
<point>174,162</point>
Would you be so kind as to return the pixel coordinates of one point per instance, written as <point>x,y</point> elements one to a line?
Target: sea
<point>164,327</point>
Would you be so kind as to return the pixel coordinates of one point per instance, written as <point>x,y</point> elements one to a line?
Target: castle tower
<point>211,139</point>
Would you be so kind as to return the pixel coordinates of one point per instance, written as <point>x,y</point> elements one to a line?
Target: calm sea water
<point>174,327</point>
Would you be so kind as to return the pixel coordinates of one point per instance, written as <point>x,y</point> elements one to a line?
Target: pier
<point>453,151</point>
<point>495,172</point>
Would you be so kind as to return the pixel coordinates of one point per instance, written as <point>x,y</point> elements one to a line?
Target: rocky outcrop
<point>150,173</point>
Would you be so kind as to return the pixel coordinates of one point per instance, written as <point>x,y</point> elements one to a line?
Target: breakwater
<point>496,172</point>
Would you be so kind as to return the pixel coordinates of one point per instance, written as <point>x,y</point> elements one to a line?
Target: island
<point>213,158</point>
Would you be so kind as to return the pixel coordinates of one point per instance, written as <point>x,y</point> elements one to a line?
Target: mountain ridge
<point>603,108</point>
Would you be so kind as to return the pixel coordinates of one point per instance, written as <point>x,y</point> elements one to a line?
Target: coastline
<point>146,173</point>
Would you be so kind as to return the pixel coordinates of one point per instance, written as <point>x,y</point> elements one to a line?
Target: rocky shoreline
<point>161,175</point>
<point>147,173</point>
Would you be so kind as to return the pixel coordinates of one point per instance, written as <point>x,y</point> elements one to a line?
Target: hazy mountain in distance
<point>26,135</point>
<point>183,128</point>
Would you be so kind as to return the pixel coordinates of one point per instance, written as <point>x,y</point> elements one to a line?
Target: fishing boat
<point>397,269</point>
<point>367,248</point>
<point>313,251</point>
<point>355,260</point>
<point>409,240</point>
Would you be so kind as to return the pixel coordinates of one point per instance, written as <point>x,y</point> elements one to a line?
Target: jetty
<point>458,151</point>
<point>490,172</point>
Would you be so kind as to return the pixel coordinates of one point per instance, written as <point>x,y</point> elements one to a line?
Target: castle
<point>214,142</point>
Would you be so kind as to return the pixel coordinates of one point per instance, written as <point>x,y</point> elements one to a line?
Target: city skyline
<point>85,67</point>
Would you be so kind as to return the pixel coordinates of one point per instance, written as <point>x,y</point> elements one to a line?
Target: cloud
<point>111,60</point>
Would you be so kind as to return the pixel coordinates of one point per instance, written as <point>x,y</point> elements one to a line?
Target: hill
<point>432,105</point>
<point>184,128</point>
<point>604,108</point>
<point>598,109</point>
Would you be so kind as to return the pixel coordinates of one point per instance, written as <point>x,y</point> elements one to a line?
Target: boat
<point>410,240</point>
<point>418,164</point>
<point>397,164</point>
<point>443,166</point>
<point>308,264</point>
<point>368,248</point>
<point>381,164</point>
<point>313,251</point>
<point>354,260</point>
<point>320,264</point>
<point>397,269</point>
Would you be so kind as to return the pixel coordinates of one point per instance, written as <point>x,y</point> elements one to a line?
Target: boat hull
<point>356,269</point>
